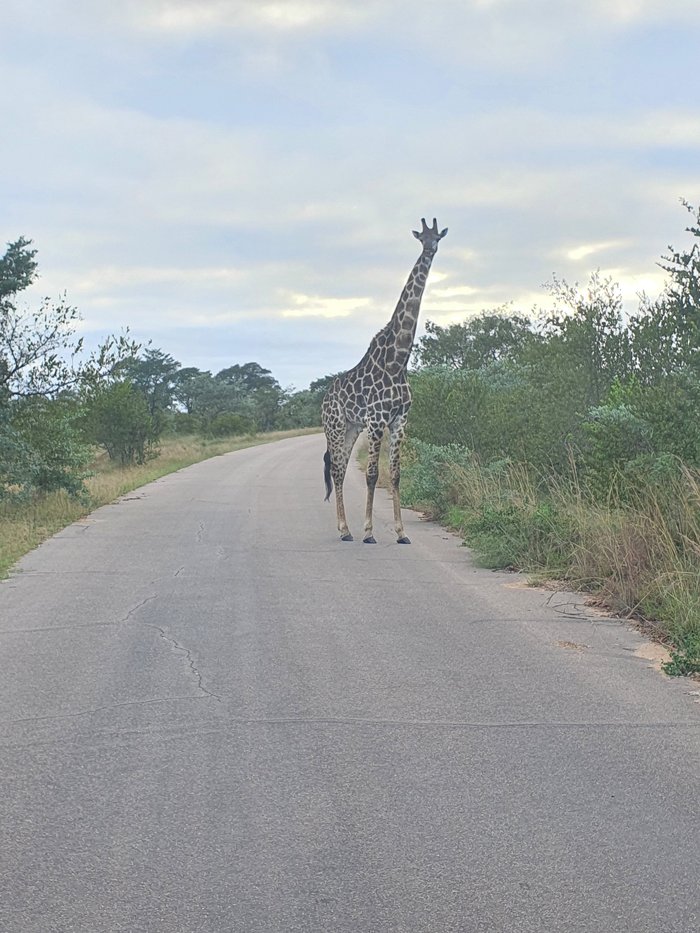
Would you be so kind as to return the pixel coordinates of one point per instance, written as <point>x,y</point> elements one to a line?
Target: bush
<point>183,423</point>
<point>641,433</point>
<point>117,419</point>
<point>615,436</point>
<point>427,475</point>
<point>228,424</point>
<point>41,448</point>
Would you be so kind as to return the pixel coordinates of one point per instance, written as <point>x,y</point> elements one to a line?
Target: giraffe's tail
<point>327,474</point>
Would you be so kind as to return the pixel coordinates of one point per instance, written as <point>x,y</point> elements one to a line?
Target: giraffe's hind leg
<point>374,441</point>
<point>341,440</point>
<point>396,435</point>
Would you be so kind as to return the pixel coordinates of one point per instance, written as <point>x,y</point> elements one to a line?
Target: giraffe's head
<point>429,236</point>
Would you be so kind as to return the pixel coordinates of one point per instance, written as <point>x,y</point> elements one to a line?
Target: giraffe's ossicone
<point>375,395</point>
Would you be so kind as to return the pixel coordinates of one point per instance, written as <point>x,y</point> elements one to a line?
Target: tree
<point>35,346</point>
<point>41,371</point>
<point>184,388</point>
<point>585,339</point>
<point>209,397</point>
<point>117,418</point>
<point>665,335</point>
<point>475,343</point>
<point>300,410</point>
<point>18,269</point>
<point>258,395</point>
<point>155,375</point>
<point>247,378</point>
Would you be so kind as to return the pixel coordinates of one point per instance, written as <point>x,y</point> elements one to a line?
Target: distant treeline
<point>57,404</point>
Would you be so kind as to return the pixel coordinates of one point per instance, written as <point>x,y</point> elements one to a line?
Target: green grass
<point>24,525</point>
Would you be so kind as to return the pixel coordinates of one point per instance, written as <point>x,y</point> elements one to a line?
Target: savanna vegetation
<point>78,429</point>
<point>567,443</point>
<point>564,442</point>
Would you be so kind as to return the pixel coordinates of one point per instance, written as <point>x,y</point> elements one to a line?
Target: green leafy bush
<point>428,474</point>
<point>183,423</point>
<point>117,418</point>
<point>42,449</point>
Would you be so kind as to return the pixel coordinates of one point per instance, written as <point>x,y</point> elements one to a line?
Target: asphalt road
<point>215,716</point>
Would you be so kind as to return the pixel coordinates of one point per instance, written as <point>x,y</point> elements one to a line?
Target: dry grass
<point>639,558</point>
<point>25,525</point>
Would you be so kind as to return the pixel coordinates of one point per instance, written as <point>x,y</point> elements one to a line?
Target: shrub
<point>41,448</point>
<point>615,436</point>
<point>228,424</point>
<point>428,476</point>
<point>118,419</point>
<point>183,423</point>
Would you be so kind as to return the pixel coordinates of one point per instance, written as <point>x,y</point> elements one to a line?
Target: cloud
<point>98,280</point>
<point>591,249</point>
<point>207,16</point>
<point>456,291</point>
<point>627,12</point>
<point>314,306</point>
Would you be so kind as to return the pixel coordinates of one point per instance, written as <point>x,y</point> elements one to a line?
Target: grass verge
<point>24,525</point>
<point>639,558</point>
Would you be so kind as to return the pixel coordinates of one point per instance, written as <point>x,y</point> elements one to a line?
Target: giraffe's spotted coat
<point>375,394</point>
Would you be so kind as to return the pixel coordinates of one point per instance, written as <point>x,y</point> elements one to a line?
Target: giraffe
<point>375,395</point>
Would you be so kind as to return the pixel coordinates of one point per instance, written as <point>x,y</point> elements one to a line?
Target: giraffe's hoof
<point>369,540</point>
<point>404,540</point>
<point>347,537</point>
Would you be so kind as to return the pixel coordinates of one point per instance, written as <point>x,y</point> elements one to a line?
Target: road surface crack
<point>176,646</point>
<point>98,709</point>
<point>173,643</point>
<point>136,608</point>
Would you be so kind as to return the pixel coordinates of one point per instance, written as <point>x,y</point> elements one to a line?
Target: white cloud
<point>456,291</point>
<point>632,284</point>
<point>206,16</point>
<point>633,11</point>
<point>585,250</point>
<point>97,280</point>
<point>315,306</point>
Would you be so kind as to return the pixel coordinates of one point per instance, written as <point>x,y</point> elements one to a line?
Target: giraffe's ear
<point>416,234</point>
<point>443,232</point>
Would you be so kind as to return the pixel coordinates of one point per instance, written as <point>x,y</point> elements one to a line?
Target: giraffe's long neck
<point>404,320</point>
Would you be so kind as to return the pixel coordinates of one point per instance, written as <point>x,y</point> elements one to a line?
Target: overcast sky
<point>237,179</point>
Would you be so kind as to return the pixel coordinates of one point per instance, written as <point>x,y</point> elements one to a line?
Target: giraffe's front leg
<point>340,456</point>
<point>338,467</point>
<point>374,446</point>
<point>396,435</point>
